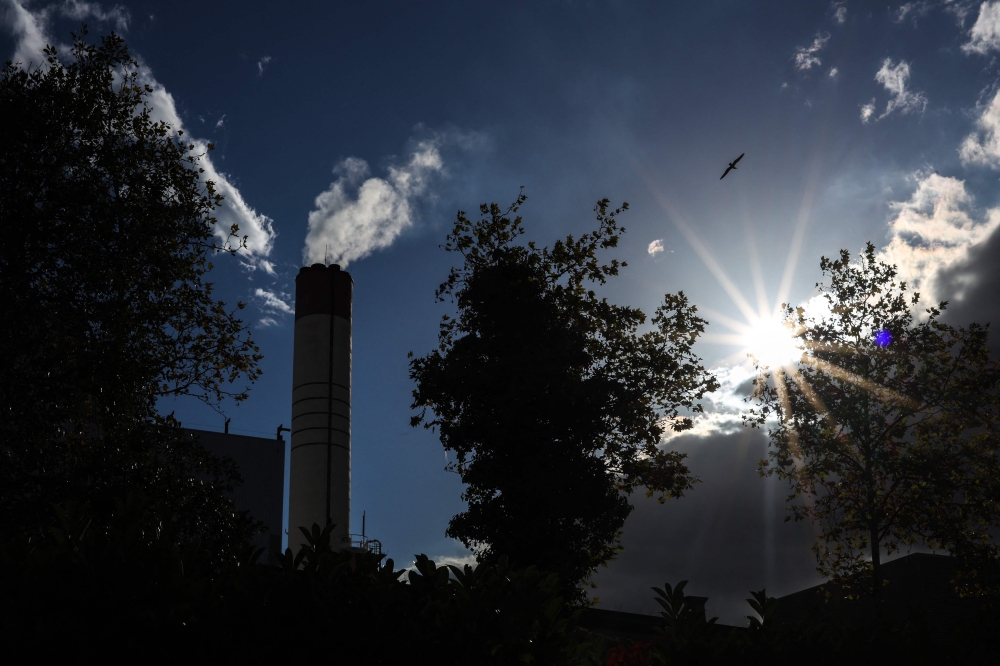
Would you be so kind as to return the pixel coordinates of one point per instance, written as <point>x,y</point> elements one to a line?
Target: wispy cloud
<point>270,301</point>
<point>655,247</point>
<point>29,29</point>
<point>839,13</point>
<point>359,214</point>
<point>984,36</point>
<point>261,64</point>
<point>805,56</point>
<point>867,111</point>
<point>934,232</point>
<point>912,10</point>
<point>221,122</point>
<point>894,78</point>
<point>833,72</point>
<point>960,9</point>
<point>268,321</point>
<point>117,15</point>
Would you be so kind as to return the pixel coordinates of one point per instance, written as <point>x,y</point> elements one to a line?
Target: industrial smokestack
<point>320,476</point>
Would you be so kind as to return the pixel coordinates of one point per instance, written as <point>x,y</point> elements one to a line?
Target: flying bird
<point>732,165</point>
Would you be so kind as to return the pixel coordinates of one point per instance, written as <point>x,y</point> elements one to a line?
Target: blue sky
<point>365,126</point>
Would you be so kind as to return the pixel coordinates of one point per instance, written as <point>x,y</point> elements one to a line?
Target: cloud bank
<point>359,214</point>
<point>723,408</point>
<point>936,232</point>
<point>30,30</point>
<point>726,536</point>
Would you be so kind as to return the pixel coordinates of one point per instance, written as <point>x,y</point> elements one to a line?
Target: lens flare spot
<point>883,338</point>
<point>771,343</point>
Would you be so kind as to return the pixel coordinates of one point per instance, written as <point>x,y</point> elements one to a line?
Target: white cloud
<point>359,214</point>
<point>839,13</point>
<point>461,558</point>
<point>29,29</point>
<point>982,146</point>
<point>894,79</point>
<point>805,56</point>
<point>268,321</point>
<point>261,64</point>
<point>655,247</point>
<point>272,302</point>
<point>833,72</point>
<point>867,111</point>
<point>221,123</point>
<point>984,36</point>
<point>933,232</point>
<point>257,228</point>
<point>460,562</point>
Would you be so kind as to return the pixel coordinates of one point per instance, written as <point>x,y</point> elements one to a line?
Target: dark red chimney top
<point>323,290</point>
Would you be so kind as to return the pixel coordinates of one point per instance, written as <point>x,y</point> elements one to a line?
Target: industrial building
<point>261,462</point>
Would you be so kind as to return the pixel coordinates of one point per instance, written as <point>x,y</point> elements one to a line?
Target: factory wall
<point>261,462</point>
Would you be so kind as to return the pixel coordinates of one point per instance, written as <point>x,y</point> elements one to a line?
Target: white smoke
<point>358,214</point>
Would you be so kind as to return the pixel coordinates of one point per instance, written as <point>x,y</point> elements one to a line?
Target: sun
<point>771,343</point>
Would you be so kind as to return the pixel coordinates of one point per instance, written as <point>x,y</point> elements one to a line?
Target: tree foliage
<point>551,399</point>
<point>887,428</point>
<point>132,587</point>
<point>108,232</point>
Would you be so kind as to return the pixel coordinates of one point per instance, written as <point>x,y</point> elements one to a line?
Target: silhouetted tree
<point>551,400</point>
<point>887,428</point>
<point>108,230</point>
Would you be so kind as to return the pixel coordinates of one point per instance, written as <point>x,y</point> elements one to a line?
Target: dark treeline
<point>80,593</point>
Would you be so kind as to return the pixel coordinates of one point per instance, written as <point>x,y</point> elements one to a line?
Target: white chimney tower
<point>320,476</point>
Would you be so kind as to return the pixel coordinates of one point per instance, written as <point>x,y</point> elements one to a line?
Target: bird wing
<point>728,169</point>
<point>739,158</point>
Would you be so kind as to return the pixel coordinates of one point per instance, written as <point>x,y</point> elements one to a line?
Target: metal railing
<point>362,542</point>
